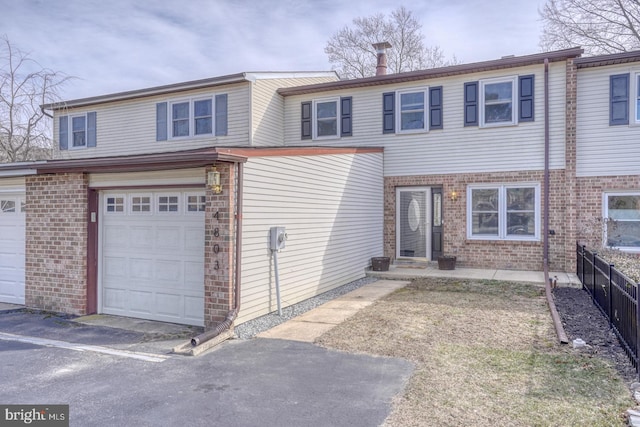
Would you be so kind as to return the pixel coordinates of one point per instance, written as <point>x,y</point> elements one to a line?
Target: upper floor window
<point>497,106</point>
<point>326,118</point>
<point>619,99</point>
<point>499,101</point>
<point>193,117</point>
<point>503,212</point>
<point>326,123</point>
<point>622,219</point>
<point>77,131</point>
<point>412,110</point>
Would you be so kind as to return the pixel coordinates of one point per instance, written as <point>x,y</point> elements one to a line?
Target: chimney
<point>381,51</point>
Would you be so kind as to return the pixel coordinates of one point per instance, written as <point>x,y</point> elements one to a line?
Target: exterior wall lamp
<point>213,181</point>
<point>453,195</point>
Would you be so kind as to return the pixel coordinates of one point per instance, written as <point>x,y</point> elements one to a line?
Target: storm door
<point>413,207</point>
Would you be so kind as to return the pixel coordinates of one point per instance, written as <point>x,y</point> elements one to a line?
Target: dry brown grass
<point>485,355</point>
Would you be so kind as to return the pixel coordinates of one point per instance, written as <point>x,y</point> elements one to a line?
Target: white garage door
<point>12,220</point>
<point>152,260</point>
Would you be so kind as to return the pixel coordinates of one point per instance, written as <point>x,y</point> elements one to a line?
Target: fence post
<point>582,268</point>
<point>610,296</point>
<point>637,327</point>
<point>593,277</point>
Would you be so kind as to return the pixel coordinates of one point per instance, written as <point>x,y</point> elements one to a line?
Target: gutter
<point>557,323</point>
<point>227,323</point>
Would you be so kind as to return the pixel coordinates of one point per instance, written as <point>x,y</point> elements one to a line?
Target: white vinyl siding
<point>194,176</point>
<point>129,127</point>
<point>268,108</point>
<point>332,209</point>
<point>455,148</point>
<point>604,150</point>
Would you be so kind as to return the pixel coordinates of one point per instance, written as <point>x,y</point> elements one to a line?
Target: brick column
<point>219,246</point>
<point>570,191</point>
<point>56,242</point>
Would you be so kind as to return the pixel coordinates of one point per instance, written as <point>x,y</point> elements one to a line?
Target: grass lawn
<point>486,355</point>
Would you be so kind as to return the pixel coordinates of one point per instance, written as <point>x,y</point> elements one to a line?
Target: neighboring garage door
<point>152,259</point>
<point>12,221</point>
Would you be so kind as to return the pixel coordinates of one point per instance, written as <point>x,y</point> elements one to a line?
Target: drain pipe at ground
<point>562,336</point>
<point>227,323</point>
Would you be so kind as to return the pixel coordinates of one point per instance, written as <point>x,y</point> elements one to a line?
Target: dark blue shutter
<point>91,129</point>
<point>305,120</point>
<point>619,99</point>
<point>161,121</point>
<point>345,114</point>
<point>471,104</point>
<point>63,133</point>
<point>435,107</point>
<point>525,98</point>
<point>388,112</point>
<point>221,115</point>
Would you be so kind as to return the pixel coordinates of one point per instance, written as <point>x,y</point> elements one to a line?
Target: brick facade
<point>524,255</point>
<point>570,194</point>
<point>56,242</point>
<point>219,247</point>
<point>590,225</point>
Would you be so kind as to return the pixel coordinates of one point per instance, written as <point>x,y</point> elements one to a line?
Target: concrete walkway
<point>310,325</point>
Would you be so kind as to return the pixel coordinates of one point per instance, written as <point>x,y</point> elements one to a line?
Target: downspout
<point>562,336</point>
<point>227,323</point>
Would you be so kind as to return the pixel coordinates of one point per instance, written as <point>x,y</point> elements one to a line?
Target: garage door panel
<point>141,237</point>
<point>12,246</point>
<point>158,261</point>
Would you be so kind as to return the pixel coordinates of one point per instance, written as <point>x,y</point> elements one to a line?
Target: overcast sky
<point>118,45</point>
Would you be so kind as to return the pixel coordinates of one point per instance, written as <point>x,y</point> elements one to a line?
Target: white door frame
<point>427,217</point>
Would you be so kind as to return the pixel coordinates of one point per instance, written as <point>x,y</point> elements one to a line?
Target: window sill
<point>498,241</point>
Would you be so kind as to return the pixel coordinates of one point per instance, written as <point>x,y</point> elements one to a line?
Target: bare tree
<point>24,86</point>
<point>352,55</point>
<point>599,26</point>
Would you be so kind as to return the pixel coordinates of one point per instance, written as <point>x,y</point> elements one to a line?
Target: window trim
<point>425,110</point>
<point>115,212</point>
<point>130,206</point>
<point>197,204</point>
<point>71,132</point>
<point>314,117</point>
<point>605,216</point>
<point>191,119</point>
<point>502,212</point>
<point>168,204</point>
<point>635,96</point>
<point>514,101</point>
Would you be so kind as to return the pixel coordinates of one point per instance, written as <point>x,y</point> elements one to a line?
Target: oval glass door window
<point>413,215</point>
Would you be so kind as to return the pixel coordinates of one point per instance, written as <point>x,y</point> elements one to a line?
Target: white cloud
<point>119,45</point>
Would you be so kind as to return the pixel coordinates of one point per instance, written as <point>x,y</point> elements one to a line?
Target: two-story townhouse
<point>475,155</point>
<point>608,153</point>
<point>161,201</point>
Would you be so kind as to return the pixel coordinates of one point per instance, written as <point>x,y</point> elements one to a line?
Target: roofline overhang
<point>609,59</point>
<point>157,90</point>
<point>8,170</point>
<point>143,162</point>
<point>453,70</point>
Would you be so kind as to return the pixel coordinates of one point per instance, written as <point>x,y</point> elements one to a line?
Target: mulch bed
<point>582,319</point>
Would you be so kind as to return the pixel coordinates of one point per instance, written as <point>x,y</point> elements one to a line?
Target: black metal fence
<point>615,295</point>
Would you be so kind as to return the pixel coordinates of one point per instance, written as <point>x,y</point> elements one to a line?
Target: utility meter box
<point>277,238</point>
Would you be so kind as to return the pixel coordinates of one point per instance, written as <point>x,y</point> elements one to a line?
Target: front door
<point>412,225</point>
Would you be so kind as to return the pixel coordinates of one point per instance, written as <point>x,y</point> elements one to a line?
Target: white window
<point>140,204</point>
<point>503,212</point>
<point>196,203</point>
<point>326,123</point>
<point>498,106</point>
<point>412,109</point>
<point>114,204</point>
<point>78,131</point>
<point>191,117</point>
<point>7,206</point>
<point>637,97</point>
<point>168,203</point>
<point>622,219</point>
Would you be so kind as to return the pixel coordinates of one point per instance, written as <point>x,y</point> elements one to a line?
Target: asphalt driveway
<point>259,382</point>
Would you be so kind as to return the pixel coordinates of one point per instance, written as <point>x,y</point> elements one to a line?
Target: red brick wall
<point>219,248</point>
<point>56,242</point>
<point>484,253</point>
<point>590,224</point>
<point>570,193</point>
